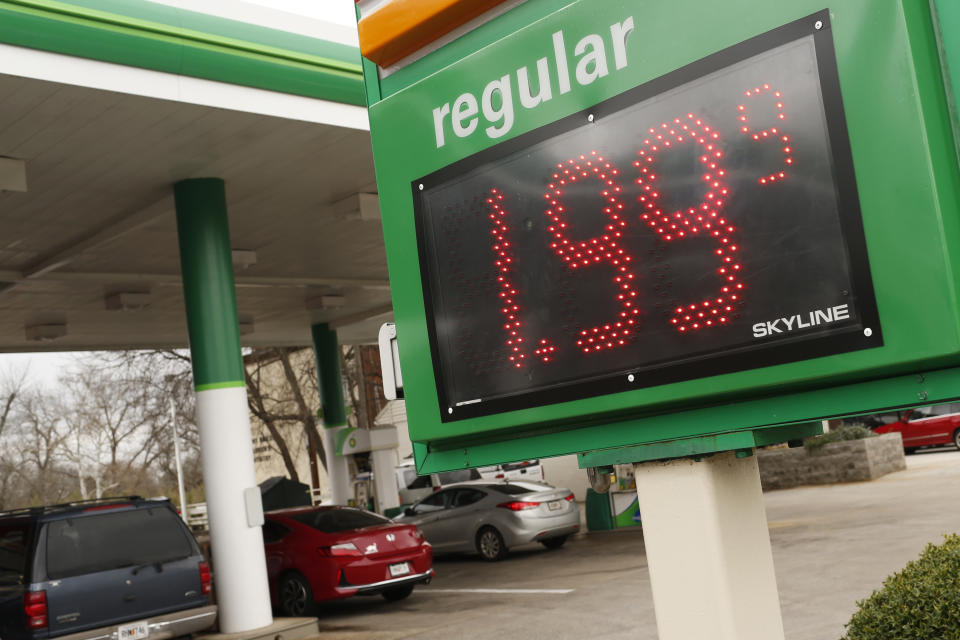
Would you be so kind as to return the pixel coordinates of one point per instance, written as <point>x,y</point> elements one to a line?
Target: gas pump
<point>376,478</point>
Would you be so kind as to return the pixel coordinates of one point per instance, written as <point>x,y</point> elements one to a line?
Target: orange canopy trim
<point>401,27</point>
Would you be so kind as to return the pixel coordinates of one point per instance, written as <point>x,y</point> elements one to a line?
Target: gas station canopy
<point>101,113</point>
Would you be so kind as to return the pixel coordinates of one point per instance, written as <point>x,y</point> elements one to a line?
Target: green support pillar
<point>326,348</point>
<point>327,352</point>
<point>208,288</point>
<point>225,446</point>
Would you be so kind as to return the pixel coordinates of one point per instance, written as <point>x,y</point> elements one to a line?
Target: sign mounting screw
<point>630,377</point>
<point>868,332</point>
<point>449,410</point>
<point>818,25</point>
<point>590,118</point>
<point>421,186</point>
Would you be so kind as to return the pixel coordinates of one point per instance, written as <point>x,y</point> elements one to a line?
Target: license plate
<point>553,506</point>
<point>133,631</point>
<point>401,569</point>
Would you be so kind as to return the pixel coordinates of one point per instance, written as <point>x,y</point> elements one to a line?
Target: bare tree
<point>258,400</point>
<point>12,384</point>
<point>307,415</point>
<point>149,382</point>
<point>105,428</point>
<point>360,365</point>
<point>39,435</point>
<point>278,398</point>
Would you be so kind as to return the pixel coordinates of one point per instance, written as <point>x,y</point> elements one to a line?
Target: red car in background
<point>927,427</point>
<point>316,554</point>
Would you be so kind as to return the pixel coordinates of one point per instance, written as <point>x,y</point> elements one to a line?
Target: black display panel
<point>703,223</point>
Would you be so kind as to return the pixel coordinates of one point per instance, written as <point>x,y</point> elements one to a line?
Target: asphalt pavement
<point>832,546</point>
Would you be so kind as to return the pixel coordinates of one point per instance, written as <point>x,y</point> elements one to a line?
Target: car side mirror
<point>409,512</point>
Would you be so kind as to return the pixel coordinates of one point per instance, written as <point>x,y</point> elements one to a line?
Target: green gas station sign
<point>680,228</point>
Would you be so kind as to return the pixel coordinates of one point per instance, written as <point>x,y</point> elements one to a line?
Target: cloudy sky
<point>339,11</point>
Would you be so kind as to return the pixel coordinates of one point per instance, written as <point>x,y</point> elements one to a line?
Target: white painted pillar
<point>239,561</point>
<point>708,549</point>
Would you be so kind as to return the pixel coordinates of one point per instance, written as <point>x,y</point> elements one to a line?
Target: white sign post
<point>708,549</point>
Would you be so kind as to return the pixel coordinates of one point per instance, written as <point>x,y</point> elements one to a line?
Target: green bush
<point>846,432</point>
<point>921,602</point>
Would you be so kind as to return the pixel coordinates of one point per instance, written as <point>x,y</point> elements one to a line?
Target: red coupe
<point>927,427</point>
<point>327,553</point>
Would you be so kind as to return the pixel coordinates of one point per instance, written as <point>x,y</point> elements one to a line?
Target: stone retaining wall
<point>846,461</point>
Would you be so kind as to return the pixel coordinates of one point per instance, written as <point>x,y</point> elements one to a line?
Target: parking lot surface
<point>832,546</point>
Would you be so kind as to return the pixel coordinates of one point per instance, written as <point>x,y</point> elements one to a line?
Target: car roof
<point>66,509</point>
<point>531,486</point>
<point>292,511</point>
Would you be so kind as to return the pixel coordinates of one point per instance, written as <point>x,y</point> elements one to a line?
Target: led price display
<point>703,223</point>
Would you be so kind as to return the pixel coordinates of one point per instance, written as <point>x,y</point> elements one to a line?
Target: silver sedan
<point>491,517</point>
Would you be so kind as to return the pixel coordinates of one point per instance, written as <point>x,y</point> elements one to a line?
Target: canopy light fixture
<point>45,332</point>
<point>128,301</point>
<point>360,206</point>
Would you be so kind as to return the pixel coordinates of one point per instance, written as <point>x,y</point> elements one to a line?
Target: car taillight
<point>342,549</point>
<point>204,578</point>
<point>569,498</point>
<point>517,505</point>
<point>35,606</point>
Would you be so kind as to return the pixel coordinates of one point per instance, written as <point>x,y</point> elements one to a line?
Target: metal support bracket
<point>742,442</point>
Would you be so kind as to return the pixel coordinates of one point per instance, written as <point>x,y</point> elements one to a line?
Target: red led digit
<point>702,219</point>
<point>603,249</point>
<point>508,294</point>
<point>770,133</point>
<point>545,350</point>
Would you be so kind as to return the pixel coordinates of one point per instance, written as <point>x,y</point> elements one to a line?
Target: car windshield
<point>335,520</point>
<point>109,540</point>
<point>511,489</point>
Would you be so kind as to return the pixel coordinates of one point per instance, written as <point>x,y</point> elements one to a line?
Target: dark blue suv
<point>112,569</point>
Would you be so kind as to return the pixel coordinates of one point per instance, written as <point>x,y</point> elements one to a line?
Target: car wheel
<point>956,438</point>
<point>490,544</point>
<point>295,596</point>
<point>397,593</point>
<point>554,543</point>
<point>909,450</point>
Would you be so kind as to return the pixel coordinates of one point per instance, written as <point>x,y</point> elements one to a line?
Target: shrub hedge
<point>846,432</point>
<point>921,602</point>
